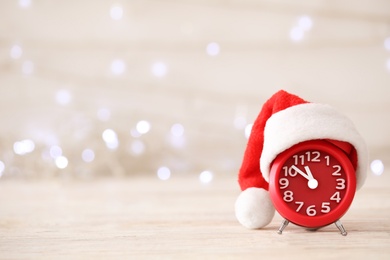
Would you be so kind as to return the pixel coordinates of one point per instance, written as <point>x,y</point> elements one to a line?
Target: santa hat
<point>286,120</point>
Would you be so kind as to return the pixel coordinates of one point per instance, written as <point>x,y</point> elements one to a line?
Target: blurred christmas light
<point>24,3</point>
<point>206,177</point>
<point>213,49</point>
<point>305,22</point>
<point>16,51</point>
<point>177,130</point>
<point>176,137</point>
<point>63,97</point>
<point>137,147</point>
<point>177,141</point>
<point>24,147</point>
<point>377,167</point>
<point>296,34</point>
<point>387,43</point>
<point>134,133</point>
<point>388,64</point>
<point>109,135</point>
<point>239,122</point>
<point>55,151</point>
<point>163,173</point>
<point>27,67</point>
<point>116,12</point>
<point>103,114</point>
<point>2,168</point>
<point>159,69</point>
<point>240,116</point>
<point>88,155</point>
<point>143,127</point>
<point>248,130</point>
<point>110,138</point>
<point>118,67</point>
<point>61,162</point>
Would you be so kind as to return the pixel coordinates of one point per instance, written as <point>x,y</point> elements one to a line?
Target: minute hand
<point>309,174</point>
<point>302,173</point>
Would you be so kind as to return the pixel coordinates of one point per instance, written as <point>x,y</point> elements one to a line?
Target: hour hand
<point>311,182</point>
<point>300,172</point>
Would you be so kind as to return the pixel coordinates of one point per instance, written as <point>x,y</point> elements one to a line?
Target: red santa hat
<point>286,120</point>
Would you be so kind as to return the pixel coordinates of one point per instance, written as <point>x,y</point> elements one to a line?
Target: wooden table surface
<point>137,218</point>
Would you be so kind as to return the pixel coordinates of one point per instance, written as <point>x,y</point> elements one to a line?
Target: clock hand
<point>308,172</point>
<point>312,183</point>
<point>300,172</point>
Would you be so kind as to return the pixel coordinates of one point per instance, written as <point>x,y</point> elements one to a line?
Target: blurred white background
<point>167,88</point>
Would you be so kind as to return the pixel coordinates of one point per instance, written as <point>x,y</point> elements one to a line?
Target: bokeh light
<point>206,176</point>
<point>111,139</point>
<point>386,43</point>
<point>248,130</point>
<point>377,167</point>
<point>305,22</point>
<point>143,127</point>
<point>104,114</point>
<point>16,51</point>
<point>63,97</point>
<point>159,69</point>
<point>24,147</point>
<point>55,151</point>
<point>28,67</point>
<point>297,34</point>
<point>2,168</point>
<point>88,155</point>
<point>116,12</point>
<point>213,49</point>
<point>118,67</point>
<point>388,64</point>
<point>61,162</point>
<point>25,3</point>
<point>163,173</point>
<point>137,147</point>
<point>177,130</point>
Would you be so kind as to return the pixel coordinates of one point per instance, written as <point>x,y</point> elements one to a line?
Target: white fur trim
<point>308,122</point>
<point>254,208</point>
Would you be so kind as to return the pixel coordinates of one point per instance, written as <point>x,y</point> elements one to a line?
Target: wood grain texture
<point>138,218</point>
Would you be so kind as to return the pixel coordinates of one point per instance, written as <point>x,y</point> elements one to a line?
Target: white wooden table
<point>180,218</point>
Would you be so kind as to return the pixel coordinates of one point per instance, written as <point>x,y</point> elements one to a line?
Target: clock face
<point>312,184</point>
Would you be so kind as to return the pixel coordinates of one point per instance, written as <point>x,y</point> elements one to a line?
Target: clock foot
<point>283,226</point>
<point>341,228</point>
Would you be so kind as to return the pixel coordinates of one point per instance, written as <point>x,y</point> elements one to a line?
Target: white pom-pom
<point>254,208</point>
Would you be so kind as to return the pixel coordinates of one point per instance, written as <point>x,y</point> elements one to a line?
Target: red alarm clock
<point>312,184</point>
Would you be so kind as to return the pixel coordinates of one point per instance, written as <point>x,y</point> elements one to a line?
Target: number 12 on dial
<point>312,184</point>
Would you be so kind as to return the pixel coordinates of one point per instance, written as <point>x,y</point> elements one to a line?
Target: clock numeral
<point>283,182</point>
<point>299,157</point>
<point>338,169</point>
<point>300,205</point>
<point>340,184</point>
<point>327,158</point>
<point>325,208</point>
<point>311,211</point>
<point>288,196</point>
<point>336,197</point>
<point>285,169</point>
<point>289,171</point>
<point>311,156</point>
